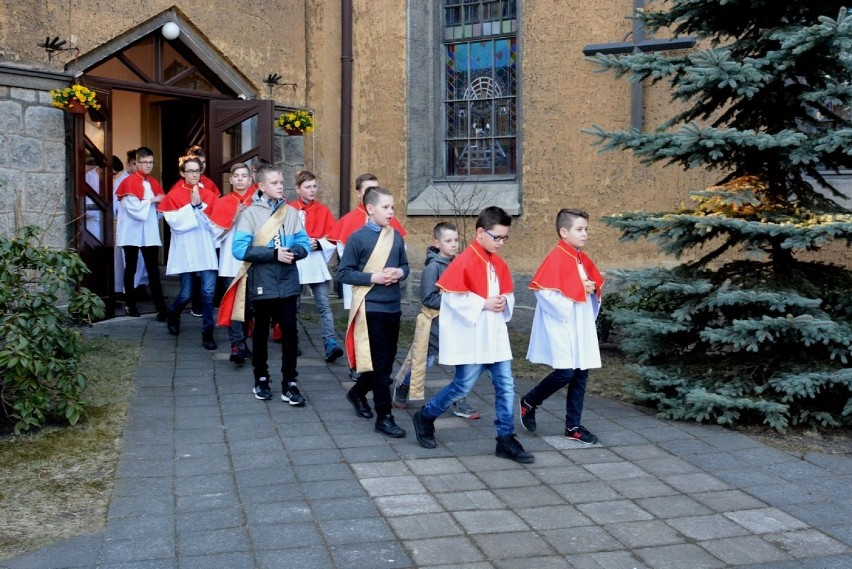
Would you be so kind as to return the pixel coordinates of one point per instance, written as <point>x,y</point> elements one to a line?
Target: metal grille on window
<point>480,99</point>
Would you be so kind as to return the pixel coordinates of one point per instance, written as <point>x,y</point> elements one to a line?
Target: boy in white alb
<point>476,303</point>
<point>313,269</point>
<point>224,214</point>
<point>138,230</point>
<point>567,288</point>
<point>193,246</point>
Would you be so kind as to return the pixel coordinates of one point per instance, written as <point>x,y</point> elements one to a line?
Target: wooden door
<point>239,131</point>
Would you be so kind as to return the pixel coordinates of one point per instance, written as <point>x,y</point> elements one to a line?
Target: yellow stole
<point>267,233</point>
<point>357,336</point>
<point>417,354</point>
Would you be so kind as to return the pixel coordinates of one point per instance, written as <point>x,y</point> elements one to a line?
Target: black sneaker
<point>261,390</point>
<point>509,447</point>
<point>527,414</point>
<point>173,323</point>
<point>581,434</point>
<point>293,396</point>
<point>207,340</point>
<point>400,396</point>
<point>359,403</point>
<point>237,356</point>
<point>424,430</point>
<point>388,427</point>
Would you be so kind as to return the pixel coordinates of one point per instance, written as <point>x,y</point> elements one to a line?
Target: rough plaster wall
<point>266,37</point>
<point>323,95</point>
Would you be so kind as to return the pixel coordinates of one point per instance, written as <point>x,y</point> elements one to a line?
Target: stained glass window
<point>480,96</point>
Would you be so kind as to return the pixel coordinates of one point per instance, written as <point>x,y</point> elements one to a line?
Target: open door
<point>239,131</point>
<point>94,179</point>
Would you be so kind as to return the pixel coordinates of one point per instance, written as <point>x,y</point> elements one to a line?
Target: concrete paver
<point>211,477</point>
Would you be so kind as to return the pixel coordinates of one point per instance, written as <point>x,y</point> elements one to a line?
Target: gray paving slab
<point>211,477</point>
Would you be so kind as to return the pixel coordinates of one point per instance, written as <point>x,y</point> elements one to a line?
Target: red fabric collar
<point>352,222</point>
<point>225,208</point>
<point>469,272</point>
<point>179,197</point>
<point>132,186</point>
<point>559,271</point>
<point>317,218</point>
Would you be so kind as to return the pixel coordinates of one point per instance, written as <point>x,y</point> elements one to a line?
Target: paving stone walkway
<point>210,477</point>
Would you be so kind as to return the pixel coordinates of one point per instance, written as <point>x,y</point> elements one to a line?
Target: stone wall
<point>33,154</point>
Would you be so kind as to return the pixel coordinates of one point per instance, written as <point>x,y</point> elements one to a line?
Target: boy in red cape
<point>476,302</point>
<point>193,246</point>
<point>567,288</point>
<point>353,221</point>
<point>224,214</point>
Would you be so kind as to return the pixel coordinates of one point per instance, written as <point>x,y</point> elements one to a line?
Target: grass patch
<point>56,483</point>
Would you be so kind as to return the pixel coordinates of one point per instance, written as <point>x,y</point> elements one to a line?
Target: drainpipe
<point>345,104</point>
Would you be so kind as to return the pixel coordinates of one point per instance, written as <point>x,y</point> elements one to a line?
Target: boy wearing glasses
<point>567,289</point>
<point>138,230</point>
<point>476,302</point>
<point>193,246</point>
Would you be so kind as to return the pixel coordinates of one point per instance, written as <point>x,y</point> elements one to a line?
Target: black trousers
<point>284,311</point>
<point>149,257</point>
<point>383,328</point>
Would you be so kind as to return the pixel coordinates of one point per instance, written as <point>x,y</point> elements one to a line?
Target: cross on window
<point>638,45</point>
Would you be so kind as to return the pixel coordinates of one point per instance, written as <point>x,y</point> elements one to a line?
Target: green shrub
<point>40,302</point>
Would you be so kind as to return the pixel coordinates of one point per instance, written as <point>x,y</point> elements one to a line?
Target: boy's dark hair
<point>144,152</point>
<point>491,216</point>
<point>184,160</point>
<point>443,226</point>
<point>117,165</point>
<point>264,171</point>
<point>131,155</point>
<point>371,196</point>
<point>566,216</point>
<point>239,165</point>
<point>303,176</point>
<point>196,150</point>
<point>364,178</point>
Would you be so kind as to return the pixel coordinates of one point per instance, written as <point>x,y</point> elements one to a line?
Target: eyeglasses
<point>145,162</point>
<point>192,171</point>
<point>497,238</point>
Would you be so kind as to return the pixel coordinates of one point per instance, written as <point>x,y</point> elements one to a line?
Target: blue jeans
<point>575,379</point>
<point>320,291</point>
<point>208,289</point>
<point>463,382</point>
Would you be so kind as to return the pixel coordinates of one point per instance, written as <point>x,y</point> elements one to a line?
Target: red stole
<point>225,208</point>
<point>559,271</point>
<point>469,272</point>
<point>179,197</point>
<point>318,218</point>
<point>352,222</point>
<point>209,185</point>
<point>132,186</point>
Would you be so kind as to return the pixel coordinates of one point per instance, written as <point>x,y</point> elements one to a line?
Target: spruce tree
<point>748,327</point>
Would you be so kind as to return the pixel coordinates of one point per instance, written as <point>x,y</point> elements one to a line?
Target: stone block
<point>766,520</point>
<point>613,512</point>
<point>425,526</point>
<point>744,550</point>
<point>512,544</point>
<point>27,95</point>
<point>45,98</point>
<point>807,543</point>
<point>553,517</point>
<point>644,534</point>
<point>45,193</point>
<point>470,500</point>
<point>587,539</point>
<point>393,486</point>
<point>4,150</point>
<point>444,550</point>
<point>45,122</point>
<point>707,527</point>
<point>490,521</point>
<point>407,505</point>
<point>11,117</point>
<point>678,557</point>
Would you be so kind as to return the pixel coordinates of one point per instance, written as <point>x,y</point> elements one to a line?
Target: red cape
<point>210,185</point>
<point>352,222</point>
<point>132,186</point>
<point>318,218</point>
<point>179,196</point>
<point>469,272</point>
<point>223,210</point>
<point>559,272</point>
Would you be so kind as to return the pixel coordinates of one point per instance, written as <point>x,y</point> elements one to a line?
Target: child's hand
<point>314,244</point>
<point>589,286</point>
<point>285,255</point>
<point>158,198</point>
<point>495,303</point>
<point>386,276</point>
<point>194,196</point>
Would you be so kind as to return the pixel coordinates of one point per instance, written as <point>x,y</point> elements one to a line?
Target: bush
<point>39,347</point>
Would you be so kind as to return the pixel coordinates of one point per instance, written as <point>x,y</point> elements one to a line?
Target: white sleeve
<point>555,304</point>
<point>510,306</point>
<point>182,220</point>
<point>466,306</point>
<point>136,209</point>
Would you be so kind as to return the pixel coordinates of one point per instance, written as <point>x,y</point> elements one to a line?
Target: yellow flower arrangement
<point>296,122</point>
<point>83,95</point>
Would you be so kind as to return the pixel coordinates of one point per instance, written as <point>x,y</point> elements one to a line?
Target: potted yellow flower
<point>75,99</point>
<point>295,123</point>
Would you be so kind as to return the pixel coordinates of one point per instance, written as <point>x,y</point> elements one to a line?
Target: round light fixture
<point>171,31</point>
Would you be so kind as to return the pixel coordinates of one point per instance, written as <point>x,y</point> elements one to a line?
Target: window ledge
<point>465,198</point>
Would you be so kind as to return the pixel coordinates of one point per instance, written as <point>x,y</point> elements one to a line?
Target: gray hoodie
<point>430,294</point>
